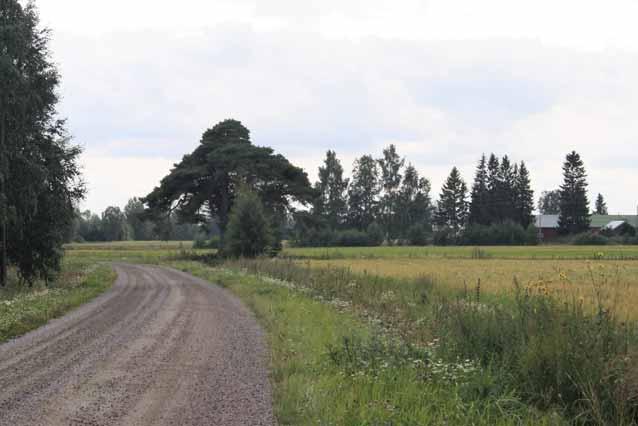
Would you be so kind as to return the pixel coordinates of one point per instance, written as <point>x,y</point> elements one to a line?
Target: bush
<point>508,233</point>
<point>351,238</point>
<point>418,235</point>
<point>202,243</point>
<point>249,233</point>
<point>375,234</point>
<point>444,237</point>
<point>590,239</point>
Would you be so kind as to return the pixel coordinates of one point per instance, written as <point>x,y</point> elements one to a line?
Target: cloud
<point>142,98</point>
<point>112,181</point>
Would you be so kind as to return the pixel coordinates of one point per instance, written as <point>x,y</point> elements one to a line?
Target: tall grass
<point>558,353</point>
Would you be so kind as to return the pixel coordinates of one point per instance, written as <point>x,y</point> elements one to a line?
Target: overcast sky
<point>444,80</point>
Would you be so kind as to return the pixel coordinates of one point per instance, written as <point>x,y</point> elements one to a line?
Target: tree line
<point>115,224</point>
<point>386,199</point>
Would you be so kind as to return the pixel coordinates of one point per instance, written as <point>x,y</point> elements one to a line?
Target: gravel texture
<point>161,348</point>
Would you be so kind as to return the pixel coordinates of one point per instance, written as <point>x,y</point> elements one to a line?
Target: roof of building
<point>547,221</point>
<point>614,224</point>
<point>597,220</point>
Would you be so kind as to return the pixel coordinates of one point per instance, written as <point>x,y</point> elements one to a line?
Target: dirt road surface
<point>161,348</point>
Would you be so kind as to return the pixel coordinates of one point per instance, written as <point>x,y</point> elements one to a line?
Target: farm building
<point>547,224</point>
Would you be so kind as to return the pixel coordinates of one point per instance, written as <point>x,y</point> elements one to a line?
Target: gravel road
<point>161,348</point>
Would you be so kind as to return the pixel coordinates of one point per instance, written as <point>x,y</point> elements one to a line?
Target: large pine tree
<point>574,205</point>
<point>452,209</point>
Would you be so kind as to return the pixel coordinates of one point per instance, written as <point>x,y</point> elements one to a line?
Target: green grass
<point>615,252</point>
<point>556,354</point>
<point>23,309</point>
<point>330,367</point>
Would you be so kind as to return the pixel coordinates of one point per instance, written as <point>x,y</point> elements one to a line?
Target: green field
<point>407,335</point>
<point>613,252</point>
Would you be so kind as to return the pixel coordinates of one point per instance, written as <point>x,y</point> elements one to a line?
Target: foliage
<point>375,234</point>
<point>574,214</point>
<point>507,233</point>
<point>523,197</point>
<point>391,166</point>
<point>39,176</point>
<point>501,192</point>
<point>549,202</point>
<point>249,231</point>
<point>331,203</point>
<point>418,235</point>
<point>363,193</point>
<point>415,205</point>
<point>202,243</point>
<point>601,206</point>
<point>140,229</point>
<point>453,207</point>
<point>479,206</point>
<point>590,239</point>
<point>203,186</point>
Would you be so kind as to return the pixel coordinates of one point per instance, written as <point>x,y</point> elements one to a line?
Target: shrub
<point>202,243</point>
<point>417,235</point>
<point>444,237</point>
<point>351,238</point>
<point>249,233</point>
<point>590,239</point>
<point>375,234</point>
<point>507,233</point>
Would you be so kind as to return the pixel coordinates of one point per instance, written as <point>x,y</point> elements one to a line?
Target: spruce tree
<point>574,205</point>
<point>249,232</point>
<point>452,207</point>
<point>601,206</point>
<point>493,189</point>
<point>505,197</point>
<point>524,196</point>
<point>479,207</point>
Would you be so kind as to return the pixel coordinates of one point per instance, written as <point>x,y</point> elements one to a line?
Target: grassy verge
<point>23,309</point>
<point>556,354</point>
<point>331,367</point>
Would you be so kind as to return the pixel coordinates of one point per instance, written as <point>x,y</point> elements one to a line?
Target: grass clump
<point>557,354</point>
